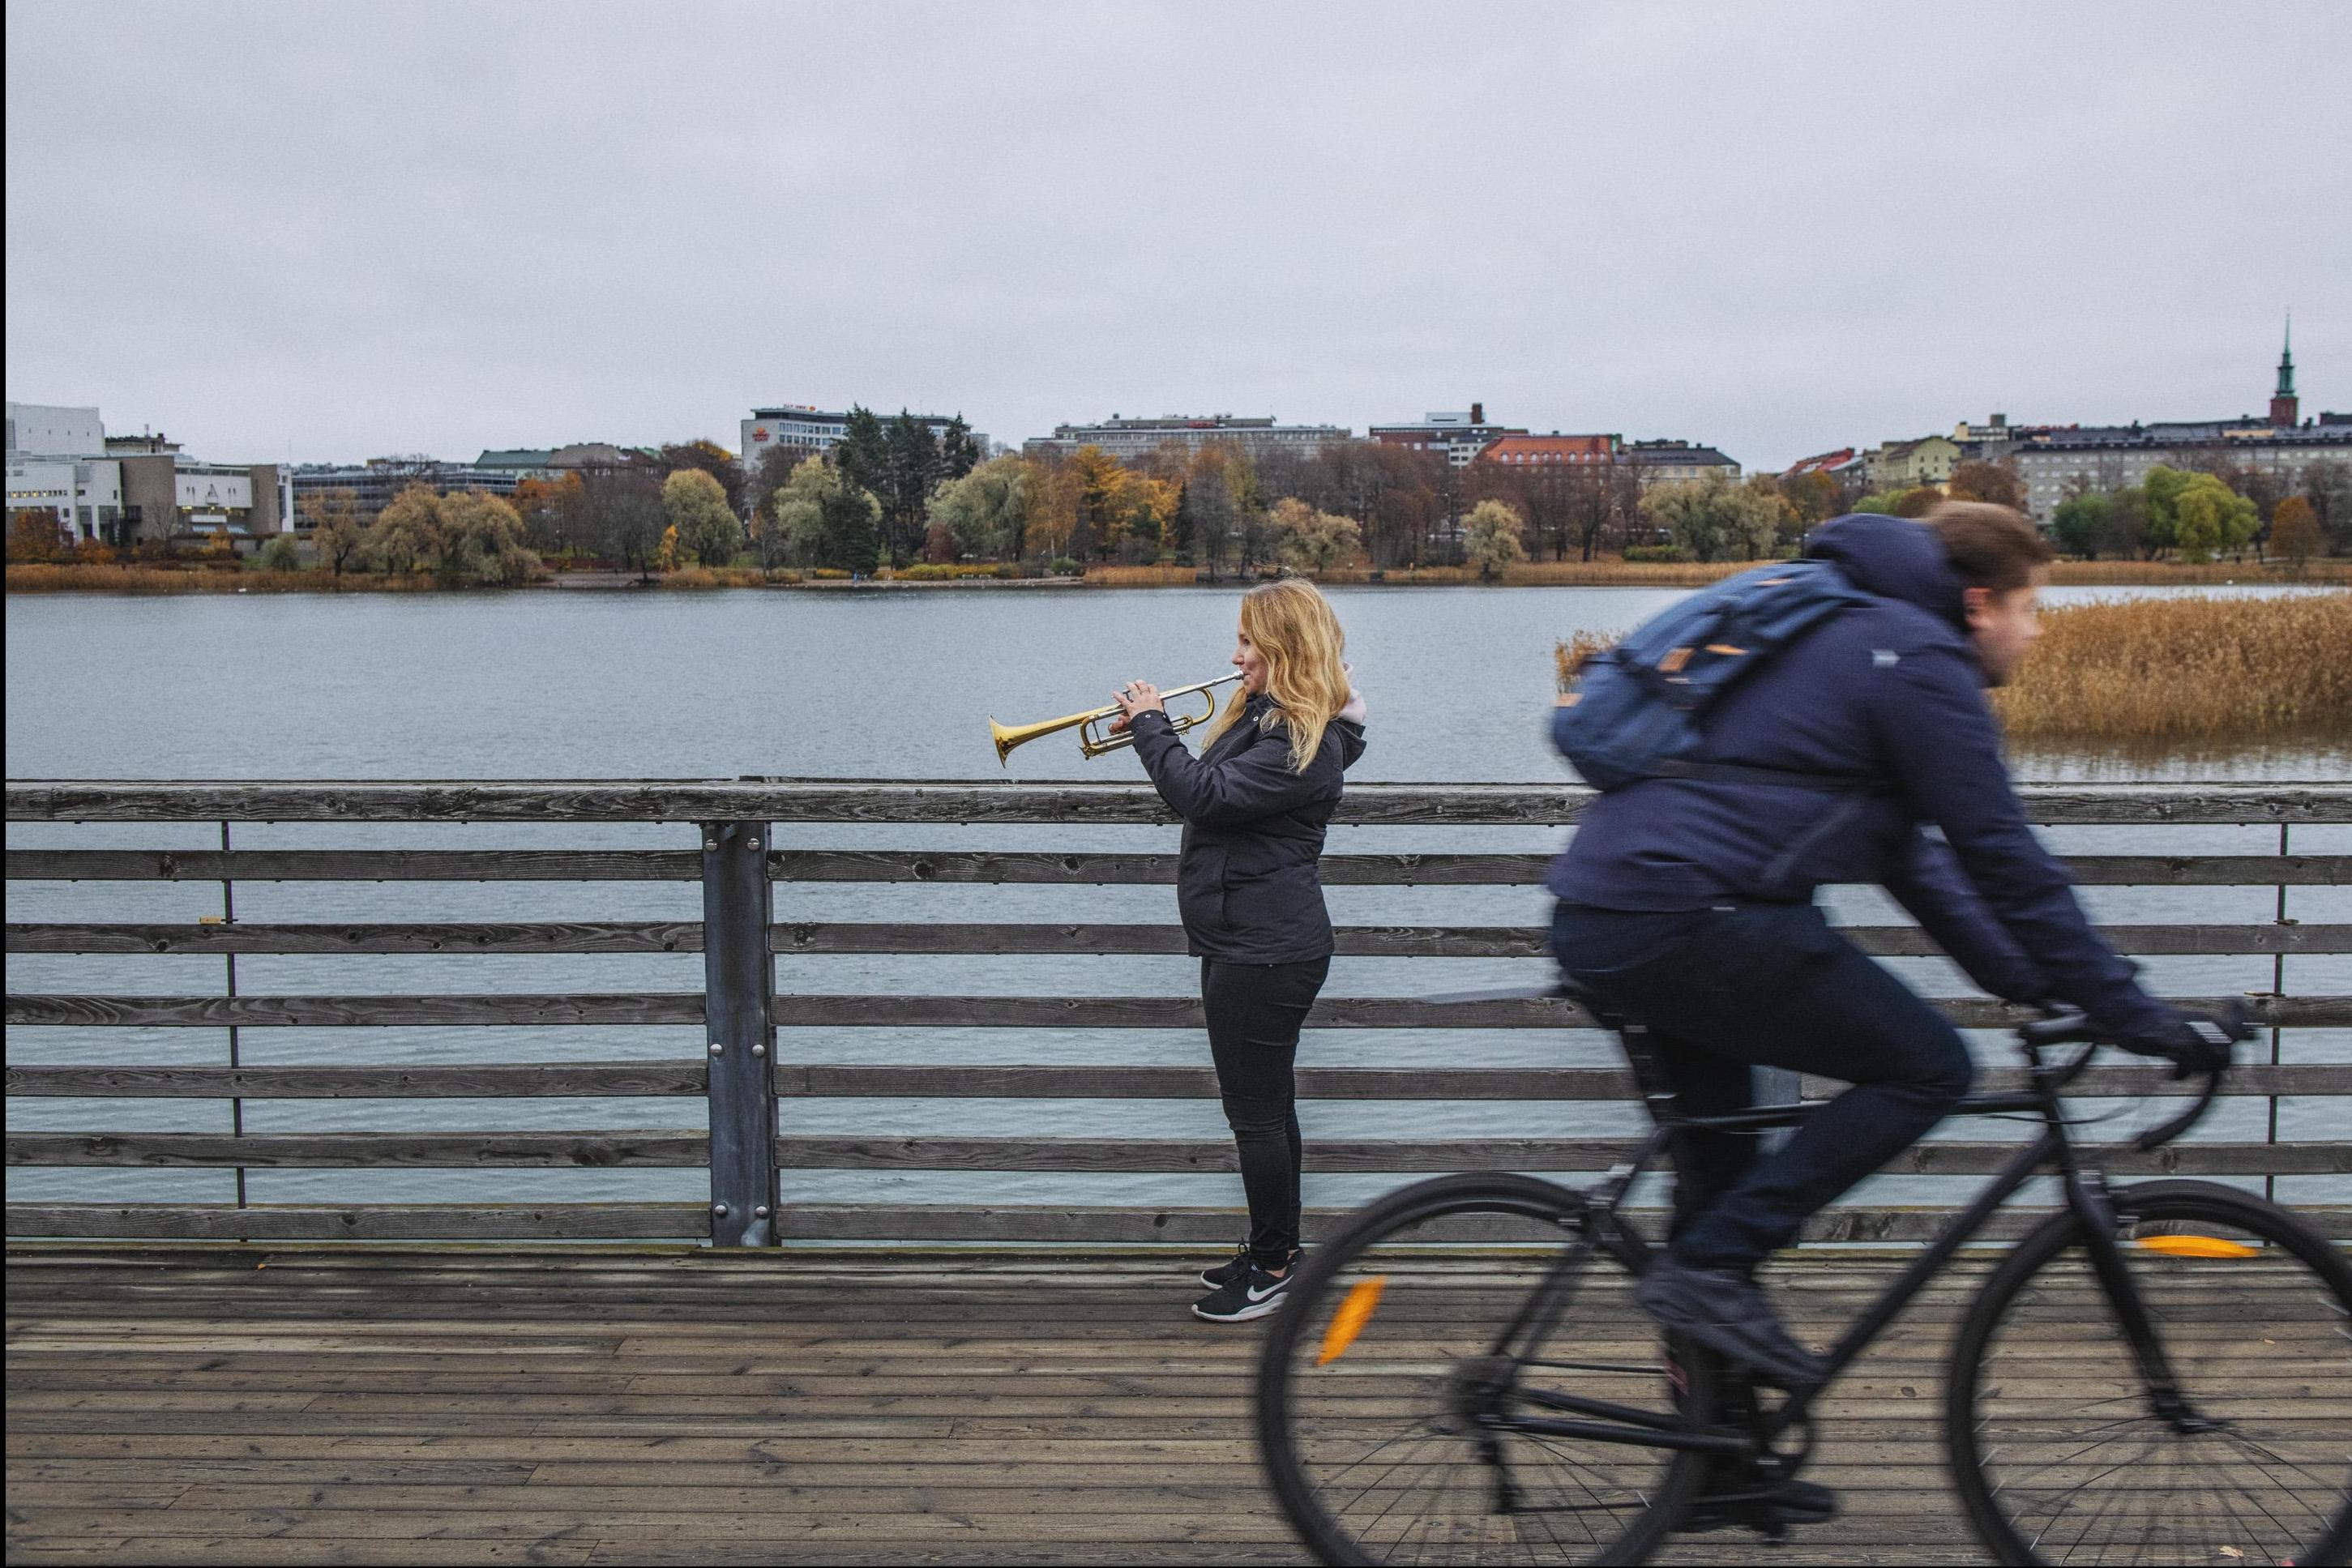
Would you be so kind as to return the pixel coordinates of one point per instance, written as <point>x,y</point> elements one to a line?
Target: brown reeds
<point>70,577</point>
<point>2200,670</point>
<point>2187,670</point>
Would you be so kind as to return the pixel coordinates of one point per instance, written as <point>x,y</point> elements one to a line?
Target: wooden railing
<point>753,1153</point>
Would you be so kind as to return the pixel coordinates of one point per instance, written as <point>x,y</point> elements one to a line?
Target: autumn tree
<point>483,543</point>
<point>2209,518</point>
<point>986,511</point>
<point>35,535</point>
<point>405,537</point>
<point>625,515</point>
<point>697,508</point>
<point>1761,493</point>
<point>1812,496</point>
<point>1977,480</point>
<point>708,458</point>
<point>1712,519</point>
<point>1310,540</point>
<point>2327,484</point>
<point>770,474</point>
<point>2295,533</point>
<point>555,513</point>
<point>336,533</point>
<point>2081,524</point>
<point>1494,538</point>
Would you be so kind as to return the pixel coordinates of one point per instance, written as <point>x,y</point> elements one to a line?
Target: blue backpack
<point>1632,712</point>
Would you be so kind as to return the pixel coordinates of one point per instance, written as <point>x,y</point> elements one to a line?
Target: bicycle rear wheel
<point>1387,1386</point>
<point>2048,1423</point>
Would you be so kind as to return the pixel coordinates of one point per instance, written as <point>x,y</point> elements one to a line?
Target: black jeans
<point>1254,1011</point>
<point>1768,985</point>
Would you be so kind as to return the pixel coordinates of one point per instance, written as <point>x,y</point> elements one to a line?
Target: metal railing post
<point>737,980</point>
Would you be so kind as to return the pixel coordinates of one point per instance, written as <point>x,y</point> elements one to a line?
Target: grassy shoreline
<point>81,578</point>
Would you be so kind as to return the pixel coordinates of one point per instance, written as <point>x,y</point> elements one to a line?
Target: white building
<point>1131,438</point>
<point>798,427</point>
<point>58,463</point>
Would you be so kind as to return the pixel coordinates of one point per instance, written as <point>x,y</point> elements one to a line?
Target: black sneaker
<point>1768,1508</point>
<point>1725,1311</point>
<point>1254,1295</point>
<point>1233,1268</point>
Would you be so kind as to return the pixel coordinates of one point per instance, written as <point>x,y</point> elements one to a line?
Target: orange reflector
<point>1675,660</point>
<point>1350,1320</point>
<point>2196,1247</point>
<point>1726,649</point>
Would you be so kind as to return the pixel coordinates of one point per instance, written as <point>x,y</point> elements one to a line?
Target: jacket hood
<point>1347,726</point>
<point>1893,557</point>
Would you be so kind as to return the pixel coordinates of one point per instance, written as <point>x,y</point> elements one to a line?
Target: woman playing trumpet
<point>1256,803</point>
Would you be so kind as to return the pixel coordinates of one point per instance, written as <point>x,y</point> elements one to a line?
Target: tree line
<point>2213,509</point>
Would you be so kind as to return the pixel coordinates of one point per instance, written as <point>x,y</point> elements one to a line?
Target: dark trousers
<point>1254,1011</point>
<point>1768,985</point>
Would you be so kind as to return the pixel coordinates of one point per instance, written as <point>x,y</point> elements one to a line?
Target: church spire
<point>2284,405</point>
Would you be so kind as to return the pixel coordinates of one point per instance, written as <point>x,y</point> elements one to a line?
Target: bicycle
<point>1421,1401</point>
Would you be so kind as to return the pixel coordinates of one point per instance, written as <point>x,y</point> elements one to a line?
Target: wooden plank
<point>854,1152</point>
<point>527,1080</point>
<point>598,1150</point>
<point>379,1222</point>
<point>846,1079</point>
<point>1453,941</point>
<point>780,800</point>
<point>1359,1012</point>
<point>354,865</point>
<point>1484,869</point>
<point>372,1012</point>
<point>1216,1226</point>
<point>349,937</point>
<point>982,866</point>
<point>858,1012</point>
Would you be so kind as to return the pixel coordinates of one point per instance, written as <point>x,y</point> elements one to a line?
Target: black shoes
<point>1725,1311</point>
<point>1233,1268</point>
<point>1254,1293</point>
<point>1769,1509</point>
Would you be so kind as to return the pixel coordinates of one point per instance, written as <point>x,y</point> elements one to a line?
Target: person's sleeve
<point>1927,879</point>
<point>1944,750</point>
<point>1255,782</point>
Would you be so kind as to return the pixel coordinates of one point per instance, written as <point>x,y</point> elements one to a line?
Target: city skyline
<point>281,233</point>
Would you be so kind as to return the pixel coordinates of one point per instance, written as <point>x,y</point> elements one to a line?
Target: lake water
<point>893,684</point>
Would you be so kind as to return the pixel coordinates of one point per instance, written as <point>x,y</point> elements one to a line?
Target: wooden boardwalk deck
<point>170,1404</point>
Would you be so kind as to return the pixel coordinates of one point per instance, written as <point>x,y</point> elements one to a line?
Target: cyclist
<point>1862,752</point>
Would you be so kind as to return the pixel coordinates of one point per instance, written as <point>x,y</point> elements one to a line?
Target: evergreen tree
<point>850,542</point>
<point>959,452</point>
<point>911,468</point>
<point>863,453</point>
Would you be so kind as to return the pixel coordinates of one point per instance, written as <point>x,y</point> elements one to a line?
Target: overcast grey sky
<point>336,230</point>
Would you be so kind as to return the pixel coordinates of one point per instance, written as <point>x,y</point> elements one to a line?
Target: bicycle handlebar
<point>2069,1026</point>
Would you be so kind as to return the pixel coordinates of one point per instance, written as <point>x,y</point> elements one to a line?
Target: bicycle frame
<point>2086,1197</point>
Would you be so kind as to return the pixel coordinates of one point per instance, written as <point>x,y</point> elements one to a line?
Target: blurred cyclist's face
<point>2004,625</point>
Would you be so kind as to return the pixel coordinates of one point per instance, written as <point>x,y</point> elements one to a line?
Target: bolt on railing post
<point>738,1036</point>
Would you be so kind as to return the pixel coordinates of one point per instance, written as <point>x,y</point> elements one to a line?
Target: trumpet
<point>1091,742</point>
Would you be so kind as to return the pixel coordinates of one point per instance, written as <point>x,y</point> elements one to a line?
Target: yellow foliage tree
<point>665,553</point>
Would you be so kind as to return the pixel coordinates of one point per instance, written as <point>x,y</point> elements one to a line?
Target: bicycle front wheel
<point>1393,1387</point>
<point>2060,1452</point>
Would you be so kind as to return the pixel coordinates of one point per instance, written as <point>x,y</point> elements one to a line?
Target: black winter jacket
<point>1245,883</point>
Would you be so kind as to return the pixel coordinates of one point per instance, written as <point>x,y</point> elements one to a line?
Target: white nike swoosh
<point>1257,1295</point>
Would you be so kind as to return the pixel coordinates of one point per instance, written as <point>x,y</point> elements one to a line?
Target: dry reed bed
<point>2187,669</point>
<point>2169,670</point>
<point>53,577</point>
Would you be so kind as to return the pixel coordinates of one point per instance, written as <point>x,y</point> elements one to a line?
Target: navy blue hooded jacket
<point>1247,885</point>
<point>1892,691</point>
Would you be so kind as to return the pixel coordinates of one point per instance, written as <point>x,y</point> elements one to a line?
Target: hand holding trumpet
<point>1133,698</point>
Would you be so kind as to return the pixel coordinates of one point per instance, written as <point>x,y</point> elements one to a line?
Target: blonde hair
<point>1292,626</point>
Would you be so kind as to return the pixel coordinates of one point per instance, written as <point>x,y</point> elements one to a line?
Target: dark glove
<point>2194,1042</point>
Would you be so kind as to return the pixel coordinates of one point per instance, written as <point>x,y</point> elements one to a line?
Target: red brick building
<point>1522,451</point>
